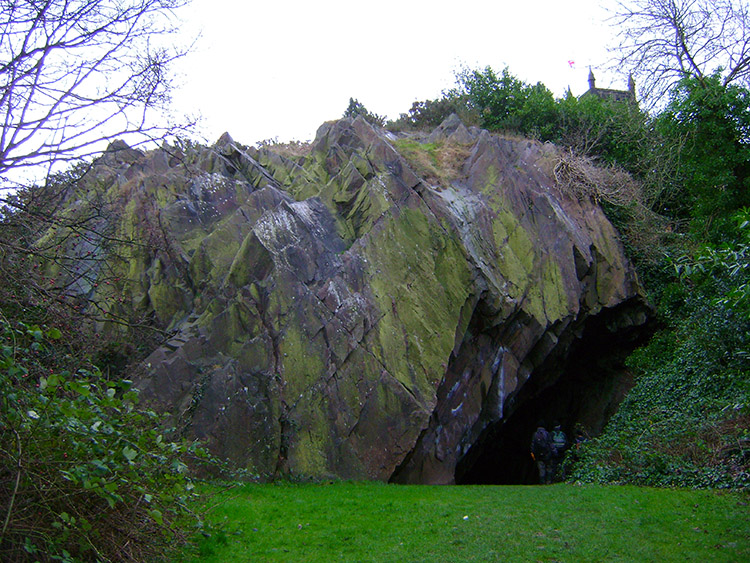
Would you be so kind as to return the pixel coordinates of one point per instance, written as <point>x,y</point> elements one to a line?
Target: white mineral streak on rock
<point>305,212</point>
<point>276,230</point>
<point>499,380</point>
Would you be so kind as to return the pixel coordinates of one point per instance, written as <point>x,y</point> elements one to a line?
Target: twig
<point>15,488</point>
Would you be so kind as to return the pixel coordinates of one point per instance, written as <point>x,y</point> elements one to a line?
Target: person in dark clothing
<point>542,452</point>
<point>560,443</point>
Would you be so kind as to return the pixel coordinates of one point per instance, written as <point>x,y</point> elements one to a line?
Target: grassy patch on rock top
<point>345,521</point>
<point>438,163</point>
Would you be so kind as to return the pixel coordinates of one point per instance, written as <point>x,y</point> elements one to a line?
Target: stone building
<point>610,94</point>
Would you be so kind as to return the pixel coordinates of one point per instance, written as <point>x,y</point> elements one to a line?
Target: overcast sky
<point>280,68</point>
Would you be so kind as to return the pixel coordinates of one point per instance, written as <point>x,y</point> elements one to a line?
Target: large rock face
<point>354,313</point>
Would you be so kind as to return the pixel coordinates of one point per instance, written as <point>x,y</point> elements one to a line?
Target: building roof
<point>609,93</point>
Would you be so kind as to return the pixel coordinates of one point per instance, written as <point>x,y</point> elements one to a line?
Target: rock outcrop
<point>348,312</point>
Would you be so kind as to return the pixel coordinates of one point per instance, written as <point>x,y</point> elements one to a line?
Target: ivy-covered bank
<point>687,420</point>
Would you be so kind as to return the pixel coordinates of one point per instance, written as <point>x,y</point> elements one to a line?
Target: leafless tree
<point>663,41</point>
<point>74,76</point>
<point>77,73</point>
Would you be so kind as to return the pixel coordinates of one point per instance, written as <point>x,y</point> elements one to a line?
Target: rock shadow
<point>583,388</point>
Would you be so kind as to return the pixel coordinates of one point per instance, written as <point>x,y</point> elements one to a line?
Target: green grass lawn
<point>380,523</point>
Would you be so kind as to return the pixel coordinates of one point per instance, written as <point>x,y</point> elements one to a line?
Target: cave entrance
<point>586,389</point>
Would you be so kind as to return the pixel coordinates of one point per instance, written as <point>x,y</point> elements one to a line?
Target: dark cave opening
<point>583,388</point>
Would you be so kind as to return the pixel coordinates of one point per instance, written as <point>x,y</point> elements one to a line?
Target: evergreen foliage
<point>357,109</point>
<point>686,421</point>
<point>505,103</point>
<point>712,123</point>
<point>87,474</point>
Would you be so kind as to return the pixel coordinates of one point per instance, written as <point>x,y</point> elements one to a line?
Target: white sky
<point>280,68</point>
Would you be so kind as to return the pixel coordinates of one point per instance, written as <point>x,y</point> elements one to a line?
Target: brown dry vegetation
<point>290,149</point>
<point>613,187</point>
<point>438,163</point>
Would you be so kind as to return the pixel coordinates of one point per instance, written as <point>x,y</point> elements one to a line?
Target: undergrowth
<point>438,163</point>
<point>687,420</point>
<point>86,475</point>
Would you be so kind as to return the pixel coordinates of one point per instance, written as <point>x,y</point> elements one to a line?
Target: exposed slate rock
<point>336,315</point>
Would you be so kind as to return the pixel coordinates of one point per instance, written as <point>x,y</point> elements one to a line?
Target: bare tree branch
<point>663,41</point>
<point>75,74</point>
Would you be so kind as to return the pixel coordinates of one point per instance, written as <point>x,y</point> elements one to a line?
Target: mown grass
<point>375,522</point>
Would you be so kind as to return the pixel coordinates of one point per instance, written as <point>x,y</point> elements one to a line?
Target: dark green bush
<point>710,123</point>
<point>86,475</point>
<point>505,103</point>
<point>357,109</point>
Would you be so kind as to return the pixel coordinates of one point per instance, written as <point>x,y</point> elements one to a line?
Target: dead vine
<point>582,178</point>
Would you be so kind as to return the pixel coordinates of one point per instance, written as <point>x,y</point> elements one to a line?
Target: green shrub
<point>505,103</point>
<point>710,122</point>
<point>428,114</point>
<point>85,475</point>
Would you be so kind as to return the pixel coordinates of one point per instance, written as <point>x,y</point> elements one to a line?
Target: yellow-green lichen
<point>420,297</point>
<point>302,357</point>
<point>168,299</point>
<point>312,438</point>
<point>252,262</point>
<point>555,297</point>
<point>515,252</point>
